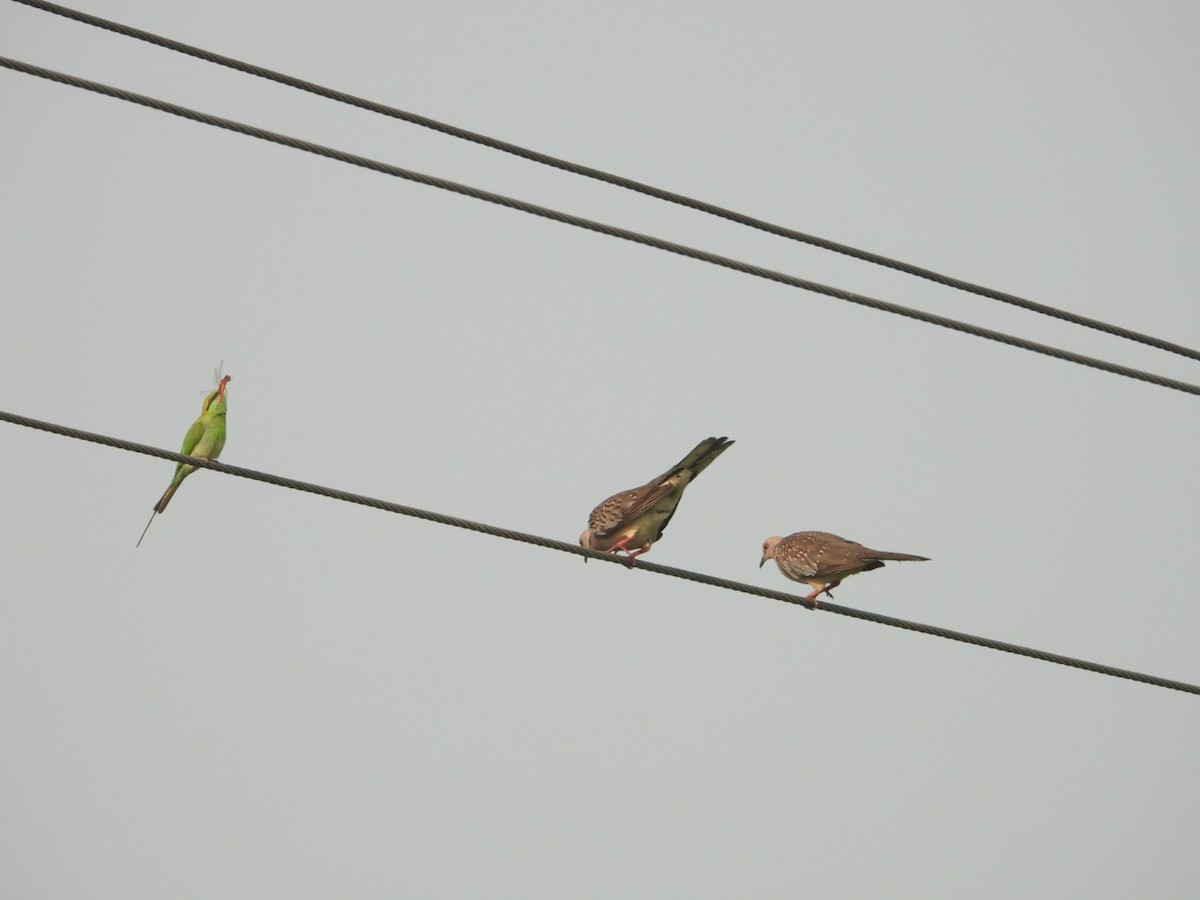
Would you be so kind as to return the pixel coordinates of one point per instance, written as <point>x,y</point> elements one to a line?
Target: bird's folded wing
<point>621,509</point>
<point>192,438</point>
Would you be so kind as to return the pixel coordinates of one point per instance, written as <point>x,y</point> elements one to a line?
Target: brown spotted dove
<point>633,520</point>
<point>821,560</point>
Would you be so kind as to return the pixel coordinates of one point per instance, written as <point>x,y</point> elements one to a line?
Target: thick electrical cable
<point>599,227</point>
<point>608,177</point>
<point>564,547</point>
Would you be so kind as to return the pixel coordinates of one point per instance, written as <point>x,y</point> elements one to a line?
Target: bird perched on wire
<point>204,440</point>
<point>821,560</point>
<point>633,520</point>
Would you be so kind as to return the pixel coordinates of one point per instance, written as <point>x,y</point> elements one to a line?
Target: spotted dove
<point>821,560</point>
<point>633,520</point>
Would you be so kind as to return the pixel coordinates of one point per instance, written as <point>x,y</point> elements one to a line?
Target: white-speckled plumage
<point>633,520</point>
<point>821,560</point>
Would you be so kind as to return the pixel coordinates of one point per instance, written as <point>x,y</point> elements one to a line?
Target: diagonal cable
<point>600,175</point>
<point>562,546</point>
<point>599,227</point>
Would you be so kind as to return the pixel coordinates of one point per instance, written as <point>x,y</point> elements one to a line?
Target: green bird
<point>204,440</point>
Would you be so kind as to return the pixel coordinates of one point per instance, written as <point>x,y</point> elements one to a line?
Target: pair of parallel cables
<point>624,234</point>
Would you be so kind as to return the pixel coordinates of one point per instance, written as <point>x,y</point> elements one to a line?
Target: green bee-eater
<point>204,440</point>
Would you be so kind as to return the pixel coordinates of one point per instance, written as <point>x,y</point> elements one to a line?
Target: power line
<point>599,227</point>
<point>618,180</point>
<point>550,543</point>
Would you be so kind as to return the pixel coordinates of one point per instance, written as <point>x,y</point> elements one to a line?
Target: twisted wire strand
<point>599,227</point>
<point>562,546</point>
<point>610,178</point>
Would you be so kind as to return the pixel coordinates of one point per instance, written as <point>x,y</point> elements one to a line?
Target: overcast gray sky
<point>282,695</point>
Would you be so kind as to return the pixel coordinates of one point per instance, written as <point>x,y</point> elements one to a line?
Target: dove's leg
<point>817,593</point>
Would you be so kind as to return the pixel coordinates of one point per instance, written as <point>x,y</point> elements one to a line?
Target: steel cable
<point>618,180</point>
<point>562,546</point>
<point>599,227</point>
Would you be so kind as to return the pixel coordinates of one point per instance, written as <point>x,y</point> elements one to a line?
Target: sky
<point>279,694</point>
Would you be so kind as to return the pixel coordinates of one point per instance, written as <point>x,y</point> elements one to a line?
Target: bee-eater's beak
<point>763,560</point>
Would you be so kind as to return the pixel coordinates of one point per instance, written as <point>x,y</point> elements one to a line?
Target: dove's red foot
<point>623,544</point>
<point>815,594</point>
<point>635,554</point>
